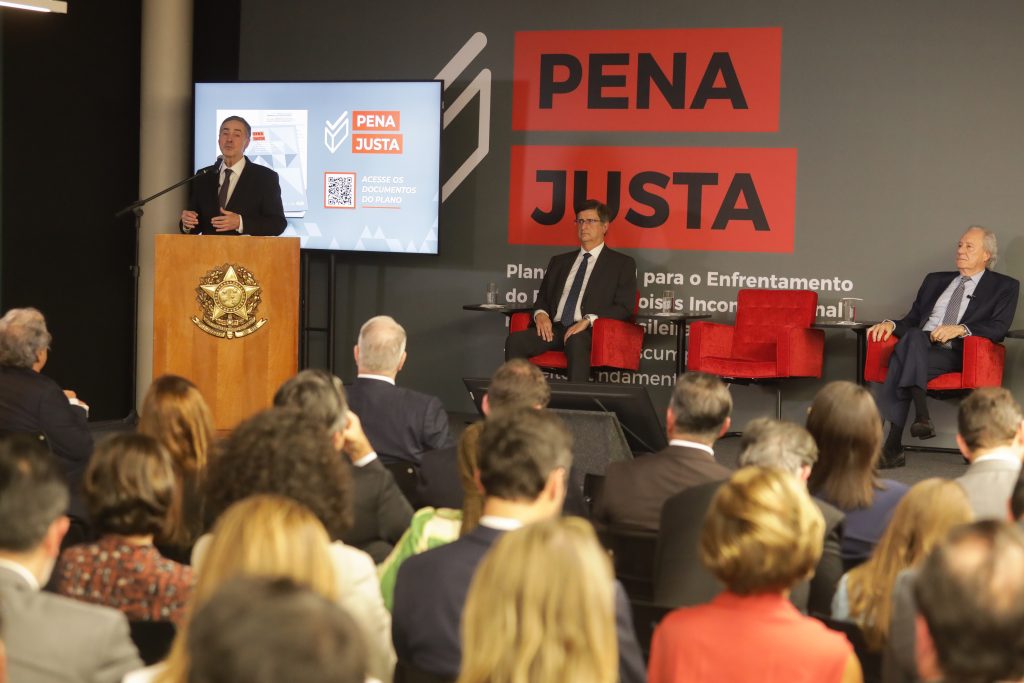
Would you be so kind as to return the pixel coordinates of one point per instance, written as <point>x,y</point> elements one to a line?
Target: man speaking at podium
<point>235,196</point>
<point>578,288</point>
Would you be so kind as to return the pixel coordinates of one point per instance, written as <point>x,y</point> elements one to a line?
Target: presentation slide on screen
<point>359,162</point>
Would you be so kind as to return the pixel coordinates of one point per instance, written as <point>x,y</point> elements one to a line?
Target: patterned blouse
<point>135,579</point>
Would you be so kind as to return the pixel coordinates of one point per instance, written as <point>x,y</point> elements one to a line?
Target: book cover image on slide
<point>279,141</point>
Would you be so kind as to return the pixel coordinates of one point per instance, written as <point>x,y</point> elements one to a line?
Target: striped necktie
<point>952,314</point>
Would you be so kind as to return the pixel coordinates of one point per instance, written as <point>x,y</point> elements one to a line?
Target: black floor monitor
<point>631,404</point>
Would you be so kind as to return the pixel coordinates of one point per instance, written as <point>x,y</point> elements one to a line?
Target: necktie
<point>952,314</point>
<point>223,194</point>
<point>569,312</point>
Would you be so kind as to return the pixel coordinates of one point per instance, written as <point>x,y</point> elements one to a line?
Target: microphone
<point>215,168</point>
<point>970,296</point>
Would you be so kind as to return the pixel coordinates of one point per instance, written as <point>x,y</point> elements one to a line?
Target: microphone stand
<point>135,208</point>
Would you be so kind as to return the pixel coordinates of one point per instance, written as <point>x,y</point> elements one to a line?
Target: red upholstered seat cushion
<point>982,367</point>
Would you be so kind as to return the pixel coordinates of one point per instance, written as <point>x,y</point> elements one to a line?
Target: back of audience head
<point>989,418</point>
<point>263,630</point>
<point>845,423</point>
<point>24,339</point>
<point>264,535</point>
<point>541,608</point>
<point>970,595</point>
<point>284,452</point>
<point>517,384</point>
<point>762,533</point>
<point>320,395</point>
<point>33,500</point>
<point>699,408</point>
<point>381,346</point>
<point>773,443</point>
<point>175,413</point>
<point>129,485</point>
<point>921,520</point>
<point>525,457</point>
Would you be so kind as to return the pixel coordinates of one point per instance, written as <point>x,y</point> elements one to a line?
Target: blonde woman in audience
<point>286,452</point>
<point>265,535</point>
<point>921,520</point>
<point>844,421</point>
<point>762,534</point>
<point>175,414</point>
<point>541,609</point>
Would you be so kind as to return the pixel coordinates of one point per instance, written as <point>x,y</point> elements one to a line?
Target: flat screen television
<point>359,161</point>
<point>630,403</point>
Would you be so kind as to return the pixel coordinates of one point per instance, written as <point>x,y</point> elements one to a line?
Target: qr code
<point>339,190</point>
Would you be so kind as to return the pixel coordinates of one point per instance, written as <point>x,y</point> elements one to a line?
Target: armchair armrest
<point>983,362</point>
<point>800,352</point>
<point>876,361</point>
<point>519,321</point>
<point>616,343</point>
<point>708,339</point>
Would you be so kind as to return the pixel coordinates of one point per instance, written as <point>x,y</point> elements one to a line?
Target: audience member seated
<point>381,513</point>
<point>264,535</point>
<point>990,434</point>
<point>681,578</point>
<point>402,424</point>
<point>971,595</point>
<point>287,453</point>
<point>175,414</point>
<point>762,535</point>
<point>48,637</point>
<point>635,490</point>
<point>32,403</point>
<point>922,519</point>
<point>524,460</point>
<point>312,639</point>
<point>541,608</point>
<point>844,421</point>
<point>129,487</point>
<point>516,385</point>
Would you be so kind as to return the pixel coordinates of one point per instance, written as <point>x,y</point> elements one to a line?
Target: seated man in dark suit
<point>990,435</point>
<point>680,578</point>
<point>48,637</point>
<point>972,300</point>
<point>524,462</point>
<point>635,490</point>
<point>381,512</point>
<point>32,403</point>
<point>578,288</point>
<point>237,196</point>
<point>402,424</point>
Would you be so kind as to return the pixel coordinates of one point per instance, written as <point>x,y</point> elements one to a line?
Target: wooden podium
<point>207,318</point>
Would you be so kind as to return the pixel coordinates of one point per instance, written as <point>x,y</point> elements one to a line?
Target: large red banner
<point>648,80</point>
<point>683,198</point>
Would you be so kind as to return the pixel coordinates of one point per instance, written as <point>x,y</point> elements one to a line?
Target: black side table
<point>860,330</point>
<point>682,321</point>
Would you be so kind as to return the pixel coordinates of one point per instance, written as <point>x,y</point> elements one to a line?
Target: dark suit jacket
<point>898,662</point>
<point>439,485</point>
<point>400,423</point>
<point>381,512</point>
<point>989,313</point>
<point>35,404</point>
<point>257,198</point>
<point>52,638</point>
<point>610,292</point>
<point>681,580</point>
<point>635,490</point>
<point>431,590</point>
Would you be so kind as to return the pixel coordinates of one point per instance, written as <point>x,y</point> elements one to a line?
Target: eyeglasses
<point>587,221</point>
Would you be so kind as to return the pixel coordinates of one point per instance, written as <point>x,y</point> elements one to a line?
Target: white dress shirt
<point>577,314</point>
<point>236,171</point>
<point>939,310</point>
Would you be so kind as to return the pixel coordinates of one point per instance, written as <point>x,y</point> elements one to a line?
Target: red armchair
<point>615,344</point>
<point>771,339</point>
<point>983,365</point>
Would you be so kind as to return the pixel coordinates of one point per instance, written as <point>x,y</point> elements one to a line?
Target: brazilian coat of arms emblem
<point>229,296</point>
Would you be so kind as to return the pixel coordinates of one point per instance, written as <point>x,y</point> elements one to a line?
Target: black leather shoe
<point>922,429</point>
<point>892,457</point>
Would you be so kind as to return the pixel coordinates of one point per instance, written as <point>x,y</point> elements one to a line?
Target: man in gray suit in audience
<point>48,637</point>
<point>990,434</point>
